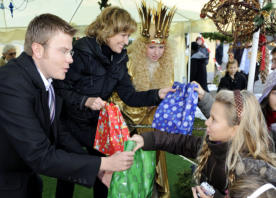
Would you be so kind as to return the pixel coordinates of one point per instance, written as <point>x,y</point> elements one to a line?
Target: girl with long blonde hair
<point>236,143</point>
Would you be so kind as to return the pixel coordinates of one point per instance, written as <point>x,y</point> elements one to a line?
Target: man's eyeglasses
<point>12,54</point>
<point>62,50</point>
<point>67,52</point>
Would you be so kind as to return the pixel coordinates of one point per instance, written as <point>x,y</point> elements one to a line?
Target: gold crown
<point>161,19</point>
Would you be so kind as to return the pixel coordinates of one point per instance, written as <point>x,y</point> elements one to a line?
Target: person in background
<point>150,66</point>
<point>233,79</point>
<point>99,68</point>
<point>268,103</point>
<point>203,48</point>
<point>198,66</point>
<point>8,53</point>
<point>33,141</point>
<point>218,58</point>
<point>252,186</point>
<point>235,139</point>
<point>219,52</point>
<point>206,51</point>
<point>243,55</point>
<point>273,53</point>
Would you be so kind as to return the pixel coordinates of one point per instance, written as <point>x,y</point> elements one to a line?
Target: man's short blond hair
<point>42,28</point>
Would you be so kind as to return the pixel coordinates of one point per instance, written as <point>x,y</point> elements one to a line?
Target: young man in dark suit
<point>32,141</point>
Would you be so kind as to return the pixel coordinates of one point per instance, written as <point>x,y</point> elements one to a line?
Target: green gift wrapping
<point>136,182</point>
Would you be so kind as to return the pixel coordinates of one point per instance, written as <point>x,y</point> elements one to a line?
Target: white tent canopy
<point>82,12</point>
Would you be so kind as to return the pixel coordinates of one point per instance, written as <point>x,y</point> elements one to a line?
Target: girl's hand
<point>199,193</point>
<point>139,141</point>
<point>199,90</point>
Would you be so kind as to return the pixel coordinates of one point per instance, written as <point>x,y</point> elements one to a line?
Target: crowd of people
<point>51,95</point>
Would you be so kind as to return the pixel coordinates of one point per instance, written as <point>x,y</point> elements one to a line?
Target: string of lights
<point>13,5</point>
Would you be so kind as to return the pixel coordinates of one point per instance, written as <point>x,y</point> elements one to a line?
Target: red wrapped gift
<point>112,130</point>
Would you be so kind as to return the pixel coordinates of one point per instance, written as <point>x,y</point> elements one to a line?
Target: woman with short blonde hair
<point>111,21</point>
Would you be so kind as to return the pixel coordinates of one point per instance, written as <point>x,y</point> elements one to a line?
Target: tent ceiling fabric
<point>187,10</point>
<point>88,10</point>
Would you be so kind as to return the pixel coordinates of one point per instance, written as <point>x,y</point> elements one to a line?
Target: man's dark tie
<point>51,102</point>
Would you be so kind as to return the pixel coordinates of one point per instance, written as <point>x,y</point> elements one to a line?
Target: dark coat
<point>187,145</point>
<point>206,53</point>
<point>94,74</point>
<point>219,53</point>
<point>239,82</point>
<point>29,142</point>
<point>198,69</point>
<point>214,172</point>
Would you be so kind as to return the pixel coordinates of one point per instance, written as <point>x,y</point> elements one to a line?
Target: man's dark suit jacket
<point>29,143</point>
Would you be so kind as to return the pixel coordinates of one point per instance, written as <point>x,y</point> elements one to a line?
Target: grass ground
<point>49,189</point>
<point>175,164</point>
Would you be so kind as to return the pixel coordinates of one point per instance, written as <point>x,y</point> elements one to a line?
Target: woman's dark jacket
<point>214,171</point>
<point>239,82</point>
<point>96,72</point>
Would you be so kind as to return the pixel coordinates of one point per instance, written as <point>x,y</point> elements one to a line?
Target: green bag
<point>138,180</point>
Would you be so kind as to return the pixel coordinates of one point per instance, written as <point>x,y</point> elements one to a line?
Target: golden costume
<point>147,74</point>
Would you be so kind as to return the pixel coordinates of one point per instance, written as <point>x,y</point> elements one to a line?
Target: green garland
<point>259,20</point>
<point>103,4</point>
<point>217,36</point>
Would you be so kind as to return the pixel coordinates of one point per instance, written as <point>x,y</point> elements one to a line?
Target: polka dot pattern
<point>176,112</point>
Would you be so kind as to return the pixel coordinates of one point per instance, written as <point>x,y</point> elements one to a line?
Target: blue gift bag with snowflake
<point>176,112</point>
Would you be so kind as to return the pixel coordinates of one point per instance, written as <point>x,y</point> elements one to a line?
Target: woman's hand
<point>95,103</point>
<point>105,177</point>
<point>139,141</point>
<point>198,191</point>
<point>163,92</point>
<point>199,90</point>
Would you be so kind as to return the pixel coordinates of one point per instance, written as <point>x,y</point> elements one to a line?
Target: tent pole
<point>75,11</point>
<point>253,58</point>
<point>189,57</point>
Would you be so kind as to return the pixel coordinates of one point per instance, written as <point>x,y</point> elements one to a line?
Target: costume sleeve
<point>24,132</point>
<point>129,96</point>
<point>186,145</point>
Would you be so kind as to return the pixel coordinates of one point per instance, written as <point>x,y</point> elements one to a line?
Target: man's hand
<point>139,141</point>
<point>199,90</point>
<point>163,92</point>
<point>95,103</point>
<point>119,161</point>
